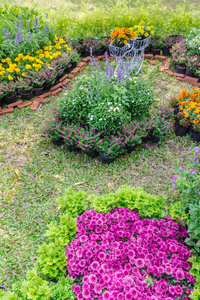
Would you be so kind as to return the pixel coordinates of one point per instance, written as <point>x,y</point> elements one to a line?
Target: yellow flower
<point>59,52</point>
<point>41,55</point>
<point>146,34</point>
<point>65,46</point>
<point>10,77</point>
<point>58,47</point>
<point>20,55</point>
<point>69,49</point>
<point>17,70</point>
<point>39,66</point>
<point>47,56</point>
<point>152,32</point>
<point>23,74</point>
<point>56,39</point>
<point>36,69</point>
<point>149,28</point>
<point>55,55</point>
<point>7,59</point>
<point>125,41</point>
<point>2,73</point>
<point>40,51</point>
<point>3,60</point>
<point>51,57</point>
<point>19,63</point>
<point>28,66</point>
<point>50,43</point>
<point>17,59</point>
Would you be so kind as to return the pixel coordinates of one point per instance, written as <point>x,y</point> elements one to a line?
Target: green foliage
<point>65,230</point>
<point>98,20</point>
<point>177,210</point>
<point>52,260</point>
<point>62,290</point>
<point>149,206</point>
<point>193,41</point>
<point>194,226</point>
<point>195,271</point>
<point>104,103</point>
<point>9,295</point>
<point>34,287</point>
<point>74,203</point>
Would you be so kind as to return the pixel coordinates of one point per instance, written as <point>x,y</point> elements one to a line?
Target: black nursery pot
<point>86,53</point>
<point>91,153</point>
<point>57,142</point>
<point>130,148</point>
<point>155,52</point>
<point>47,86</point>
<point>72,148</point>
<point>166,52</point>
<point>106,159</point>
<point>74,64</point>
<point>11,99</point>
<point>154,139</point>
<point>180,70</point>
<point>199,78</point>
<point>100,52</point>
<point>180,130</point>
<point>38,91</point>
<point>82,53</point>
<point>26,96</point>
<point>145,138</point>
<point>176,110</point>
<point>189,73</point>
<point>195,136</point>
<point>68,68</point>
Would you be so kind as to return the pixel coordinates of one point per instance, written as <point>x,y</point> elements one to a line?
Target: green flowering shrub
<point>63,289</point>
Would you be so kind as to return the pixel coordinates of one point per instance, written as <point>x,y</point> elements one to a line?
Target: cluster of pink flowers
<point>118,256</point>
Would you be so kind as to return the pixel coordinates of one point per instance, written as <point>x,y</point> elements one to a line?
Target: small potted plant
<point>74,58</point>
<point>197,73</point>
<point>8,92</point>
<point>49,75</point>
<point>160,127</point>
<point>179,56</point>
<point>174,104</point>
<point>156,45</point>
<point>166,43</point>
<point>87,140</point>
<point>183,125</point>
<point>106,42</point>
<point>79,46</point>
<point>53,132</point>
<point>37,82</point>
<point>109,147</point>
<point>132,138</point>
<point>195,134</point>
<point>99,47</point>
<point>25,88</point>
<point>192,64</point>
<point>70,137</point>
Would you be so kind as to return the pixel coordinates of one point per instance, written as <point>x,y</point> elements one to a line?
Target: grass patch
<point>28,198</point>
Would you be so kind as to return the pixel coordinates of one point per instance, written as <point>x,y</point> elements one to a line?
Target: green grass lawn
<point>33,173</point>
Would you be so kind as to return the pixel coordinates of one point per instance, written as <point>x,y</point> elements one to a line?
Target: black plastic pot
<point>154,139</point>
<point>38,91</point>
<point>26,96</point>
<point>11,99</point>
<point>145,138</point>
<point>68,68</point>
<point>180,70</point>
<point>180,130</point>
<point>86,53</point>
<point>195,136</point>
<point>166,52</point>
<point>199,78</point>
<point>74,64</point>
<point>147,50</point>
<point>100,52</point>
<point>106,159</point>
<point>130,148</point>
<point>57,142</point>
<point>82,53</point>
<point>91,153</point>
<point>189,73</point>
<point>176,110</point>
<point>72,148</point>
<point>190,129</point>
<point>47,86</point>
<point>155,52</point>
<point>176,121</point>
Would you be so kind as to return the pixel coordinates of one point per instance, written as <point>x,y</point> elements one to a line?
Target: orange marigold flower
<point>181,108</point>
<point>196,121</point>
<point>193,88</point>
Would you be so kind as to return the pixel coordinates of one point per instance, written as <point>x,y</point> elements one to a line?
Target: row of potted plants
<point>187,114</point>
<point>97,143</point>
<point>35,82</point>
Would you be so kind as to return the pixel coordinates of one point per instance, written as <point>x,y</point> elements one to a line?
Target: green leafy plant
<point>72,202</point>
<point>126,196</point>
<point>179,53</point>
<point>62,290</point>
<point>34,287</point>
<point>87,139</point>
<point>111,145</point>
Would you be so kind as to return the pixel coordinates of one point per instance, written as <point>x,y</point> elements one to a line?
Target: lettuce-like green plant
<point>126,196</point>
<point>195,271</point>
<point>63,289</point>
<point>52,260</point>
<point>73,203</point>
<point>34,287</point>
